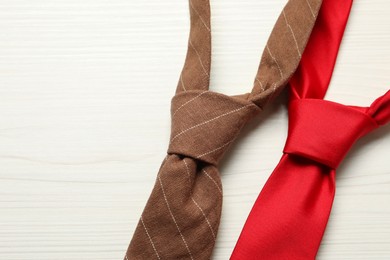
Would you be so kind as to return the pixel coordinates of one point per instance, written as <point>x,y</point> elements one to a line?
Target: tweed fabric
<point>182,215</point>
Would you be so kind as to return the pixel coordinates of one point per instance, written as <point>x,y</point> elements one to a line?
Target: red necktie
<point>289,217</point>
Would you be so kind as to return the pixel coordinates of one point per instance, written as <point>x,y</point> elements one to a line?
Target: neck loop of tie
<point>324,131</point>
<point>205,123</point>
<point>279,60</point>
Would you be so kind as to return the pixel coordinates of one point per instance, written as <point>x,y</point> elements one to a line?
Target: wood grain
<point>85,89</point>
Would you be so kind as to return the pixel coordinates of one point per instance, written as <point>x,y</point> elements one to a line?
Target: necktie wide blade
<point>287,220</point>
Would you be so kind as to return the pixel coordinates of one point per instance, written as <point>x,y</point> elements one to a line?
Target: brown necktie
<point>182,215</point>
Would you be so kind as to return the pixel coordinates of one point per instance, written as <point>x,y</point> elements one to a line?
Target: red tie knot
<point>205,123</point>
<point>324,131</point>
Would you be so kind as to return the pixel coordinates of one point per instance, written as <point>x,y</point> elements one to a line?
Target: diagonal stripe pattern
<point>182,215</point>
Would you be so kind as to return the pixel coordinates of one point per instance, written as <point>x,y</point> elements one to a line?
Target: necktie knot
<point>324,131</point>
<point>205,123</point>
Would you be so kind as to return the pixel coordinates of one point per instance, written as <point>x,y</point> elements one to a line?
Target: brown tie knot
<point>205,123</point>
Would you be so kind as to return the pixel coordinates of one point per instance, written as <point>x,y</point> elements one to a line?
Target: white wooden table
<point>85,89</point>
